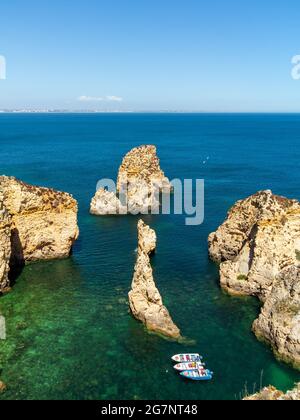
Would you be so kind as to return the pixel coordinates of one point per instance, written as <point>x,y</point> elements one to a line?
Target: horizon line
<point>70,111</point>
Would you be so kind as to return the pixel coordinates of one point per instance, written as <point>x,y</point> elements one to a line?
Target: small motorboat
<point>187,366</point>
<point>197,375</point>
<point>187,358</point>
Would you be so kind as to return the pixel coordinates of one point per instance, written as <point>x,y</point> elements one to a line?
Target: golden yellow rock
<point>258,247</point>
<point>2,387</point>
<point>143,180</point>
<point>5,245</point>
<point>38,224</point>
<point>145,300</point>
<point>272,394</point>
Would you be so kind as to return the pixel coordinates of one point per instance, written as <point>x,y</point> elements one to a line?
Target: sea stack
<point>141,178</point>
<point>258,248</point>
<point>106,203</point>
<point>35,224</point>
<point>145,300</point>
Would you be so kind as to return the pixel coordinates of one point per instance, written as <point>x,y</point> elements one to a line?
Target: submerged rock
<point>35,224</point>
<point>258,247</point>
<point>140,182</point>
<point>145,300</point>
<point>2,387</point>
<point>272,394</point>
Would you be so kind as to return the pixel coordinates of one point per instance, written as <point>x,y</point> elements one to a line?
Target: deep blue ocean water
<point>70,334</point>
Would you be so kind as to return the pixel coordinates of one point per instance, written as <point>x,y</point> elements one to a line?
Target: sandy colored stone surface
<point>279,321</point>
<point>143,179</point>
<point>258,248</point>
<point>145,300</point>
<point>106,203</point>
<point>2,387</point>
<point>5,245</point>
<point>35,224</point>
<point>272,394</point>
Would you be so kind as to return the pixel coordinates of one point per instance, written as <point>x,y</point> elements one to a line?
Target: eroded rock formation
<point>279,321</point>
<point>258,247</point>
<point>272,394</point>
<point>35,224</point>
<point>145,300</point>
<point>140,179</point>
<point>105,203</point>
<point>5,245</point>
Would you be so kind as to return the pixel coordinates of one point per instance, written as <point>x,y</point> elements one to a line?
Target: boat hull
<point>187,366</point>
<point>195,376</point>
<point>187,358</point>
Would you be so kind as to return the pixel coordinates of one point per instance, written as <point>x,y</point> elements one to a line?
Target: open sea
<point>70,333</point>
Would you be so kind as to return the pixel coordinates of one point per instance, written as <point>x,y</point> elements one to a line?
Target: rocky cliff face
<point>41,223</point>
<point>5,245</point>
<point>279,321</point>
<point>272,394</point>
<point>259,239</point>
<point>145,300</point>
<point>141,177</point>
<point>258,248</point>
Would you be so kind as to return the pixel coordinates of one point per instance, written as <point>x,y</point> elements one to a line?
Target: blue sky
<point>190,55</point>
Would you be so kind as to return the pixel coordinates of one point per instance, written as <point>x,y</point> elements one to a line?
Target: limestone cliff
<point>259,238</point>
<point>279,321</point>
<point>141,177</point>
<point>258,248</point>
<point>145,300</point>
<point>35,223</point>
<point>272,394</point>
<point>5,245</point>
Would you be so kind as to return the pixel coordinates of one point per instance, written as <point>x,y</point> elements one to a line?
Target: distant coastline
<point>91,111</point>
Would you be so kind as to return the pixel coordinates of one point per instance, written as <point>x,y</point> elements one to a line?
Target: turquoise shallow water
<point>70,334</point>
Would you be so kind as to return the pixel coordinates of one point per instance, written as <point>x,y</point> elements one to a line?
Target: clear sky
<point>192,55</point>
